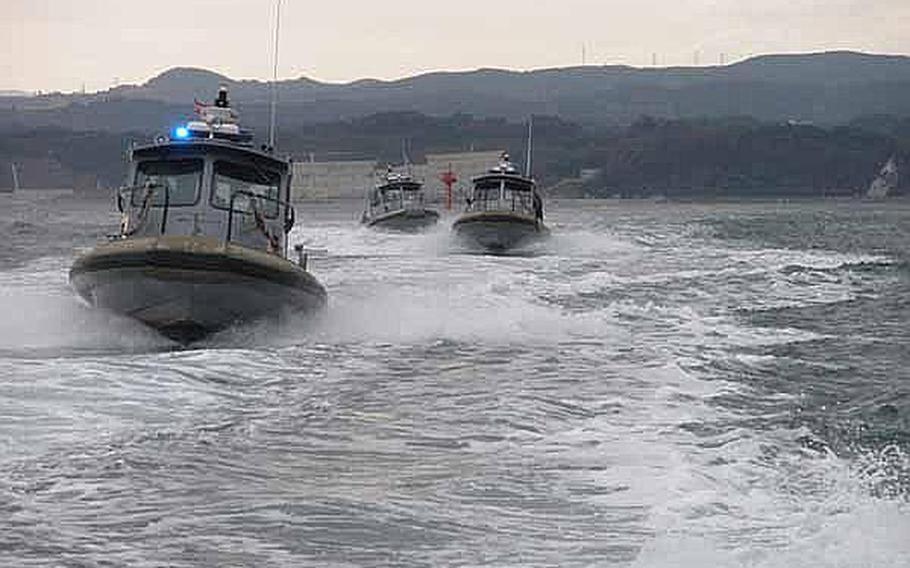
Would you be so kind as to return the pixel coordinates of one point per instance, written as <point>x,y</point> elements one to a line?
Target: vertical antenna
<point>530,146</point>
<point>404,155</point>
<point>274,104</point>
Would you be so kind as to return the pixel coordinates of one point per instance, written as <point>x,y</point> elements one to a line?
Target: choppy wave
<point>642,390</point>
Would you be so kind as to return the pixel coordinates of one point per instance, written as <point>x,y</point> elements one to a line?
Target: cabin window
<point>412,194</point>
<point>176,181</point>
<point>391,197</point>
<point>487,191</point>
<point>517,186</point>
<point>518,195</point>
<point>251,186</point>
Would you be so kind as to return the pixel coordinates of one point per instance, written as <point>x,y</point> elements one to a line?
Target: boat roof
<point>505,170</point>
<point>400,184</point>
<point>166,148</point>
<point>498,175</point>
<point>398,180</point>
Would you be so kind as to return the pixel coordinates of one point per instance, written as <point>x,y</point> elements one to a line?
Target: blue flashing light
<point>181,133</point>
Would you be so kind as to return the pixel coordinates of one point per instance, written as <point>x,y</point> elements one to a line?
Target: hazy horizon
<point>53,46</point>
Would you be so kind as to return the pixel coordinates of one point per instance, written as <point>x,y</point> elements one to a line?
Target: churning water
<point>657,385</point>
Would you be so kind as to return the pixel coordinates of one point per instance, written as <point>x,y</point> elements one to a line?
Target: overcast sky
<point>65,44</point>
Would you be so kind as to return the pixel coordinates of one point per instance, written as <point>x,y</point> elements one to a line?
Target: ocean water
<point>659,384</point>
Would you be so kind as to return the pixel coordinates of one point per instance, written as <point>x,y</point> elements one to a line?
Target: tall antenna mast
<point>404,155</point>
<point>273,114</point>
<point>530,146</point>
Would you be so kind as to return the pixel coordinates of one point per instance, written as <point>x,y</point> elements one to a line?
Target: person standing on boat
<point>222,100</point>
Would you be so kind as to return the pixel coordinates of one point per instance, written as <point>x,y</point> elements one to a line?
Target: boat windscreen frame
<point>410,186</point>
<point>489,192</point>
<point>275,202</point>
<point>158,198</point>
<point>396,192</point>
<point>511,184</point>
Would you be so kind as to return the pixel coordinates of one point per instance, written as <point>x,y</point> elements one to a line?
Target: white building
<point>332,180</point>
<point>351,180</point>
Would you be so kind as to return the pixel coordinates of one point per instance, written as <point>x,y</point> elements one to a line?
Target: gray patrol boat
<point>504,210</point>
<point>398,204</point>
<point>203,240</point>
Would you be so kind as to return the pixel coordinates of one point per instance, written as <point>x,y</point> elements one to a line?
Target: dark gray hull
<point>187,291</point>
<point>405,220</point>
<point>498,231</point>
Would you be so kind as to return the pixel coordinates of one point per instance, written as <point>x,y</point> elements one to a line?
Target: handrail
<point>146,203</point>
<point>167,206</point>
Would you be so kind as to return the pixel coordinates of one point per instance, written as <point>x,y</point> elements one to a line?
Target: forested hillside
<point>674,158</point>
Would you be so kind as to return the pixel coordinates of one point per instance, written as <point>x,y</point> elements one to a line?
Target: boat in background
<point>398,204</point>
<point>504,210</point>
<point>204,234</point>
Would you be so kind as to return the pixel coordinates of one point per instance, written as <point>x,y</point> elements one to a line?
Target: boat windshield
<point>503,194</point>
<point>519,195</point>
<point>242,181</point>
<point>517,186</point>
<point>176,181</point>
<point>392,195</point>
<point>412,193</point>
<point>487,190</point>
<point>396,196</point>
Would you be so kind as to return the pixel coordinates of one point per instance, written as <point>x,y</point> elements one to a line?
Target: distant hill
<point>824,88</point>
<point>792,124</point>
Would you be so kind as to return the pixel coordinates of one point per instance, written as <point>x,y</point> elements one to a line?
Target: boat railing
<point>289,218</point>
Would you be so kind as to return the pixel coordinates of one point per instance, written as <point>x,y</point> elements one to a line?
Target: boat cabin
<point>207,180</point>
<point>504,189</point>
